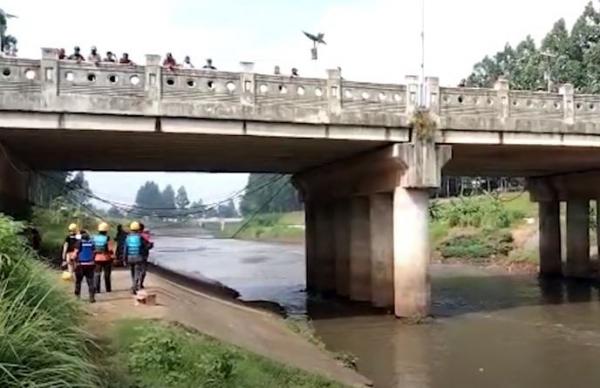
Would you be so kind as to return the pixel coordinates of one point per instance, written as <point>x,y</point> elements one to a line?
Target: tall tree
<point>269,193</point>
<point>181,199</point>
<point>4,16</point>
<point>148,197</point>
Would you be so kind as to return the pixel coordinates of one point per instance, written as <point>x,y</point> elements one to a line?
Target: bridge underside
<point>155,151</point>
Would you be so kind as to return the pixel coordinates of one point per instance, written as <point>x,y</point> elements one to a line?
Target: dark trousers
<point>136,266</point>
<point>87,272</point>
<point>106,267</point>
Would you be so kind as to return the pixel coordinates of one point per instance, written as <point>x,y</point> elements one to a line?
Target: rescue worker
<point>148,244</point>
<point>120,241</point>
<point>85,266</point>
<point>102,258</point>
<point>134,248</point>
<point>69,248</point>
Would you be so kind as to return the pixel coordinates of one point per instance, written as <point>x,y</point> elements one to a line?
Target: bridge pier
<point>381,217</point>
<point>550,238</point>
<point>578,238</point>
<point>14,182</point>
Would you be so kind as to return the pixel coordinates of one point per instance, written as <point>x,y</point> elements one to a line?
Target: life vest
<point>133,242</point>
<point>86,252</point>
<point>101,243</point>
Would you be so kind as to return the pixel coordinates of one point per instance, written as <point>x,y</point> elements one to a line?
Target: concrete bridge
<point>364,162</point>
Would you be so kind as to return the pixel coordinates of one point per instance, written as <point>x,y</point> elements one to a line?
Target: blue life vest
<point>101,243</point>
<point>86,252</point>
<point>133,242</point>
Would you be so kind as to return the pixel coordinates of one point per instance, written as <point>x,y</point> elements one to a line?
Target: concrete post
<point>412,94</point>
<point>568,93</point>
<point>310,240</point>
<point>153,84</point>
<point>433,93</point>
<point>325,249</point>
<point>49,74</point>
<point>342,247</point>
<point>248,85</point>
<point>360,250</point>
<point>550,239</point>
<point>334,91</point>
<point>412,293</point>
<point>382,249</point>
<point>503,89</point>
<point>578,238</point>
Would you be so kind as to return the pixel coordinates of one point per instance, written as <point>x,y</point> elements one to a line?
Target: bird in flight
<point>315,38</point>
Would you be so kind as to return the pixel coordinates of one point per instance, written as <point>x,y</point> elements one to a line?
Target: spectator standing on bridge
<point>294,73</point>
<point>85,266</point>
<point>147,246</point>
<point>209,65</point>
<point>76,56</point>
<point>169,62</point>
<point>94,57</point>
<point>62,54</point>
<point>110,57</point>
<point>134,249</point>
<point>125,60</point>
<point>187,63</point>
<point>102,258</point>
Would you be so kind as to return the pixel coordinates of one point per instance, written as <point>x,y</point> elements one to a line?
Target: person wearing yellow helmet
<point>133,253</point>
<point>102,258</point>
<point>69,247</point>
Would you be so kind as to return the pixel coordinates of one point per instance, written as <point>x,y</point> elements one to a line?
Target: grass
<point>41,340</point>
<point>165,355</point>
<point>283,227</point>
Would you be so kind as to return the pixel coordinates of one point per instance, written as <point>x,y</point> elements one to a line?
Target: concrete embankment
<point>224,318</point>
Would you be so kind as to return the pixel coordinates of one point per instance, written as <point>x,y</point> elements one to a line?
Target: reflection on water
<point>491,329</point>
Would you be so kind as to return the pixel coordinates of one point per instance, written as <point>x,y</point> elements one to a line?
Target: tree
<point>115,212</point>
<point>269,193</point>
<point>563,57</point>
<point>198,209</point>
<point>147,198</point>
<point>79,189</point>
<point>227,210</point>
<point>181,200</point>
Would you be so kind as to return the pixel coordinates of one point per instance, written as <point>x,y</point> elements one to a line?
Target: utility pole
<point>422,91</point>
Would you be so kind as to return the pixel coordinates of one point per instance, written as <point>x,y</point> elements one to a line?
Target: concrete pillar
<point>382,249</point>
<point>412,293</point>
<point>14,181</point>
<point>360,250</point>
<point>153,83</point>
<point>325,249</point>
<point>342,247</point>
<point>310,237</point>
<point>550,239</point>
<point>49,74</point>
<point>334,91</point>
<point>248,89</point>
<point>578,238</point>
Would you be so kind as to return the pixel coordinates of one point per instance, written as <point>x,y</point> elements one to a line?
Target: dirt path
<point>257,331</point>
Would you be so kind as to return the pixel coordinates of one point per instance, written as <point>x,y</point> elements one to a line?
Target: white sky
<point>372,40</point>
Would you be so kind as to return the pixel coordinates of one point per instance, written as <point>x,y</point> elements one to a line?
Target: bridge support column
<point>325,249</point>
<point>578,238</point>
<point>310,237</point>
<point>342,218</point>
<point>360,250</point>
<point>411,252</point>
<point>550,238</point>
<point>382,249</point>
<point>14,181</point>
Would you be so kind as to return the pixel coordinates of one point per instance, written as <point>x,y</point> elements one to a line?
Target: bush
<point>41,343</point>
<point>478,212</point>
<point>476,245</point>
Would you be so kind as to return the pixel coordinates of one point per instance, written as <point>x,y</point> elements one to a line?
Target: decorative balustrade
<point>68,86</point>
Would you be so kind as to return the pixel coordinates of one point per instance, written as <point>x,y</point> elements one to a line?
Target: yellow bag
<point>66,276</point>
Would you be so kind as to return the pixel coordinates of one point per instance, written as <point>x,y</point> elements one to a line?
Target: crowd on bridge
<point>169,61</point>
<point>88,256</point>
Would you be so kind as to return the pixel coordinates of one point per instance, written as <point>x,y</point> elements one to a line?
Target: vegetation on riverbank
<point>165,355</point>
<point>279,227</point>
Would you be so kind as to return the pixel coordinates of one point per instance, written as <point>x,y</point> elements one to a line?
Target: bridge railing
<point>154,90</point>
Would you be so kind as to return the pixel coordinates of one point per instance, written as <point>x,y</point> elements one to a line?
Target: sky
<point>371,40</point>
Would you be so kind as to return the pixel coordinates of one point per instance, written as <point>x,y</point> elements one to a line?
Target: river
<point>491,329</point>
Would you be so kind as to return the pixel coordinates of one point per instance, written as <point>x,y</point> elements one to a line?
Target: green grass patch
<point>165,355</point>
<point>476,244</point>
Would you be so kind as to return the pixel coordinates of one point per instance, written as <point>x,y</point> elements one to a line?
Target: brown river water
<point>491,329</point>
